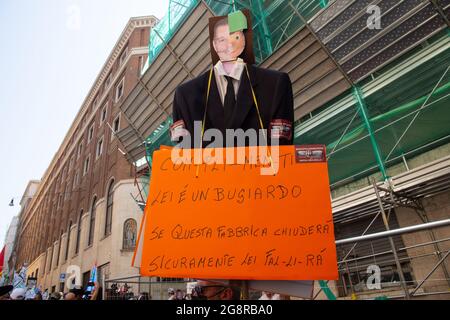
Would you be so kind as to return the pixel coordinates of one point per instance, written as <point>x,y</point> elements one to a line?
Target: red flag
<point>2,257</point>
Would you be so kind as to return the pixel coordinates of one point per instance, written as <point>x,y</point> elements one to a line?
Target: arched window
<point>109,209</point>
<point>92,222</point>
<point>77,246</point>
<point>129,234</point>
<point>68,241</point>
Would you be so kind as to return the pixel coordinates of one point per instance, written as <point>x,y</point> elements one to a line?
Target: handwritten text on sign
<point>230,222</point>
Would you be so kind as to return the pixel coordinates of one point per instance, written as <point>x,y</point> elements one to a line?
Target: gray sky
<point>48,63</point>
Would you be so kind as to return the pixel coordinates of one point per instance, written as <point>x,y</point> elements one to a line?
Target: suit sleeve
<point>282,122</point>
<point>178,128</point>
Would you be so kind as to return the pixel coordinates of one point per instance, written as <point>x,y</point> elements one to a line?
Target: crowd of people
<point>91,292</point>
<point>203,290</point>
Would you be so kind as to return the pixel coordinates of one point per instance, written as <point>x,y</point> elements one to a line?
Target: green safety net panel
<point>391,111</point>
<point>178,11</point>
<point>273,21</point>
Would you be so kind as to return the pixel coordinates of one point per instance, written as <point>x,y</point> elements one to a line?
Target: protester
<point>18,294</point>
<point>179,295</point>
<point>45,295</point>
<point>38,296</point>
<point>97,293</point>
<point>206,290</point>
<point>266,295</point>
<point>171,293</point>
<point>4,292</point>
<point>55,296</point>
<point>75,294</point>
<point>144,296</point>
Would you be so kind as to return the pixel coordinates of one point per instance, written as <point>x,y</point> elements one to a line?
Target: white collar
<point>236,73</point>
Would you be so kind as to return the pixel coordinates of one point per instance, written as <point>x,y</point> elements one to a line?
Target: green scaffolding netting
<point>273,21</point>
<point>407,117</point>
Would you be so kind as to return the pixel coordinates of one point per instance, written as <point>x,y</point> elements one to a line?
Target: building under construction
<point>371,81</point>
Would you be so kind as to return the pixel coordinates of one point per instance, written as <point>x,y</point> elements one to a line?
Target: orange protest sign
<point>231,222</point>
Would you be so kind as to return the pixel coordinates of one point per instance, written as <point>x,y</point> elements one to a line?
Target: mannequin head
<point>228,46</point>
<point>231,38</point>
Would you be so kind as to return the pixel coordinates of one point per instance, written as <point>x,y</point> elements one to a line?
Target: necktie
<point>230,102</point>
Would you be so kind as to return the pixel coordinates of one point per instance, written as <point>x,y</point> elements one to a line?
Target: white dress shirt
<point>236,73</point>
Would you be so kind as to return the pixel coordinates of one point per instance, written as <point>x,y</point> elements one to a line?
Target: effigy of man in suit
<point>235,103</point>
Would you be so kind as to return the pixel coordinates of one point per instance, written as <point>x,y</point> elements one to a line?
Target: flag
<point>2,257</point>
<point>93,277</point>
<point>20,278</point>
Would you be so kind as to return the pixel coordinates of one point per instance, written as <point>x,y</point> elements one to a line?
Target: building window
<point>108,80</point>
<point>123,56</point>
<point>91,133</point>
<point>86,165</point>
<point>59,249</point>
<point>103,114</point>
<point>120,89</point>
<point>63,174</point>
<point>71,163</point>
<point>99,149</point>
<point>76,180</point>
<point>77,245</point>
<point>67,190</point>
<point>141,65</point>
<point>95,102</point>
<point>92,222</point>
<point>103,272</point>
<point>86,278</point>
<point>80,149</point>
<point>109,209</point>
<point>115,126</point>
<point>68,242</point>
<point>129,234</point>
<point>60,201</point>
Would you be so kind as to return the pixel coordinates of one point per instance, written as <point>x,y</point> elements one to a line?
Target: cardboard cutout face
<point>228,47</point>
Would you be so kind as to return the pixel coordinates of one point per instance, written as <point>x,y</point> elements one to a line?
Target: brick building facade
<point>83,203</point>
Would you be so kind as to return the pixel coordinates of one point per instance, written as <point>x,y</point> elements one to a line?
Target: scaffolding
<point>377,125</point>
<point>388,200</point>
<point>273,21</point>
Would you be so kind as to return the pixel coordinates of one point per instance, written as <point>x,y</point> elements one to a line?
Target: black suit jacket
<point>273,92</point>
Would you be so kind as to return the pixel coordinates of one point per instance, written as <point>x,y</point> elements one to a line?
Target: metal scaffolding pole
<point>423,216</point>
<point>395,232</point>
<point>324,284</point>
<point>391,240</point>
<point>363,112</point>
<point>430,273</point>
<point>400,249</point>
